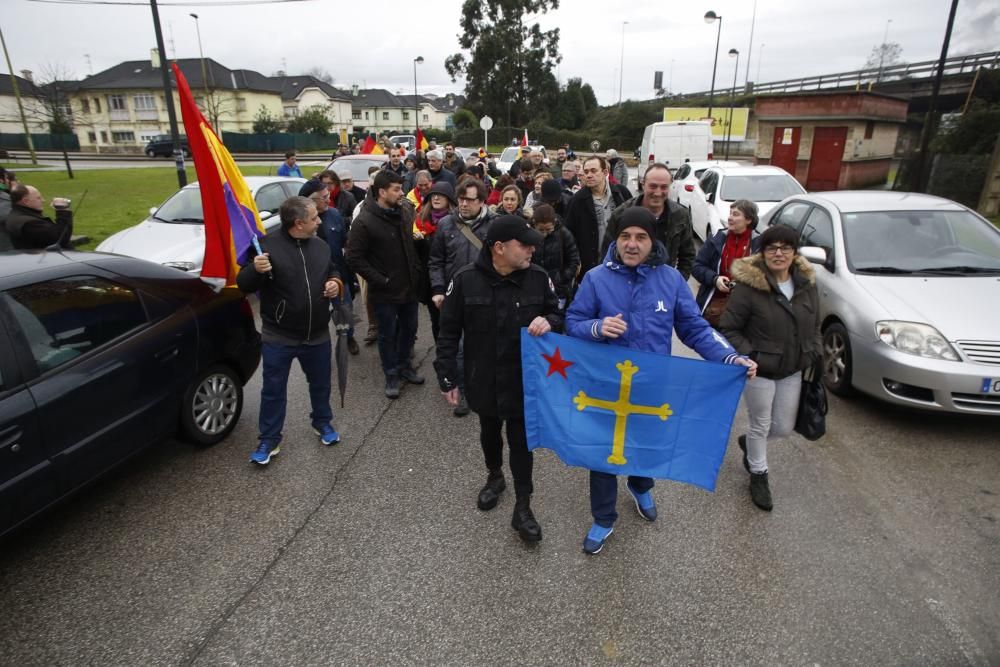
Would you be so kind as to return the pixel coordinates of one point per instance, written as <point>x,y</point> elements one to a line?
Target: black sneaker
<point>392,386</point>
<point>409,375</point>
<point>490,494</point>
<point>371,336</point>
<point>760,492</point>
<point>742,440</point>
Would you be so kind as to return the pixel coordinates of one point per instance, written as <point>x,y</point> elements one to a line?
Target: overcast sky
<point>372,43</point>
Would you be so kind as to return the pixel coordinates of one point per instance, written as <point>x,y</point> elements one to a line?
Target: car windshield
<point>358,168</point>
<point>770,187</point>
<point>183,207</point>
<point>509,154</point>
<point>928,242</point>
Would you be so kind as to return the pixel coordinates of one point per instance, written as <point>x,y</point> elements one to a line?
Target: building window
<point>104,136</point>
<point>291,112</point>
<point>385,115</point>
<point>97,105</point>
<point>426,118</point>
<point>123,137</point>
<point>92,137</point>
<point>869,129</point>
<point>241,104</point>
<point>85,103</point>
<point>356,114</point>
<point>117,108</point>
<point>144,102</point>
<point>366,116</point>
<point>406,115</point>
<point>148,135</point>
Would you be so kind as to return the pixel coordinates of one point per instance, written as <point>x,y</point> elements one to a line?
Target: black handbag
<point>810,422</point>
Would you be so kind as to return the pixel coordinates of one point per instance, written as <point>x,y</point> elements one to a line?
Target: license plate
<point>991,386</point>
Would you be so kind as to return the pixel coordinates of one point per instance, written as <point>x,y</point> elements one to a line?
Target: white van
<point>675,143</point>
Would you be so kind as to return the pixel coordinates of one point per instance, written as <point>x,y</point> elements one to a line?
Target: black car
<point>102,355</point>
<point>163,146</point>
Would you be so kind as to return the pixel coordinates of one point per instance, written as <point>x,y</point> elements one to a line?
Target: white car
<point>687,176</point>
<point>174,233</point>
<point>719,187</point>
<point>908,285</point>
<point>509,155</point>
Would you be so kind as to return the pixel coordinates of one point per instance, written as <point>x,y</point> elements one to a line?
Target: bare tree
<point>51,92</point>
<point>882,56</point>
<point>321,74</point>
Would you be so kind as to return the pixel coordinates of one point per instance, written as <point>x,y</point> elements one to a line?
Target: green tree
<point>464,119</point>
<point>589,98</point>
<point>265,123</point>
<point>312,121</point>
<point>508,71</point>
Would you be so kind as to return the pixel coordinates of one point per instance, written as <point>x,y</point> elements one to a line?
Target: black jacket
<point>560,259</point>
<point>444,174</point>
<point>490,310</point>
<point>782,336</point>
<point>581,221</point>
<point>380,249</point>
<point>292,304</point>
<point>5,243</point>
<point>29,229</point>
<point>673,230</point>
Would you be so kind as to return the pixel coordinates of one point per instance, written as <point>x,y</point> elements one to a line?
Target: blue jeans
<point>315,361</point>
<point>397,329</point>
<point>604,494</point>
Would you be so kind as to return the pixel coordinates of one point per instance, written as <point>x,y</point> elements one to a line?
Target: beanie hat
<point>551,190</point>
<point>637,216</point>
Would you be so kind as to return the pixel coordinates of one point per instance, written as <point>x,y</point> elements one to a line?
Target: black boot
<point>760,492</point>
<point>490,494</point>
<point>742,440</point>
<point>524,521</point>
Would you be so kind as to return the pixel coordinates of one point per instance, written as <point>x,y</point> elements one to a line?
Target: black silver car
<point>163,146</point>
<point>103,355</point>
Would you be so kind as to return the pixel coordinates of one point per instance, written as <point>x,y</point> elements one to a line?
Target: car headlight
<point>914,338</point>
<point>183,266</point>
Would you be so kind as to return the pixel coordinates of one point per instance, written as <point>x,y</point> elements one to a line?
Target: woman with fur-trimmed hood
<point>772,317</point>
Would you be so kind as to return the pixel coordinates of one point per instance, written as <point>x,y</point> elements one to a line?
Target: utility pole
<point>923,165</point>
<point>168,95</point>
<point>20,106</point>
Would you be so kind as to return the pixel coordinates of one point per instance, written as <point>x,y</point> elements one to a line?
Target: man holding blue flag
<point>636,300</point>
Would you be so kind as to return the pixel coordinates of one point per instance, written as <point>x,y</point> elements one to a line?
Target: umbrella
<point>341,314</point>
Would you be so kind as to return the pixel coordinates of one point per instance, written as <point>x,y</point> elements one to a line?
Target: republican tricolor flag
<point>232,223</point>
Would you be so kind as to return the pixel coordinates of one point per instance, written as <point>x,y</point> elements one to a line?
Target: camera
<point>60,202</point>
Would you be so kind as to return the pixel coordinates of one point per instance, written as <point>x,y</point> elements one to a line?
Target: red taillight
<point>652,158</point>
<point>689,188</point>
<point>710,155</point>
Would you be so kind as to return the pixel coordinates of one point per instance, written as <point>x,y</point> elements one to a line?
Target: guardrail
<point>922,70</point>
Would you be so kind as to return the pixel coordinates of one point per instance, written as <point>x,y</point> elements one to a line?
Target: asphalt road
<point>882,549</point>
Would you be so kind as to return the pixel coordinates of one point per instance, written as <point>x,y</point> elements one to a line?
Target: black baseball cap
<point>510,227</point>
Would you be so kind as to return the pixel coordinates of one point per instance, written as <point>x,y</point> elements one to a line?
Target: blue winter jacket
<point>333,229</point>
<point>653,299</point>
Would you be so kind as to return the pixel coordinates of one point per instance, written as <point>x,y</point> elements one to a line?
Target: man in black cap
<point>489,301</point>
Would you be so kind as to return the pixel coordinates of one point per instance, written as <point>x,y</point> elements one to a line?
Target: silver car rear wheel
<point>212,406</point>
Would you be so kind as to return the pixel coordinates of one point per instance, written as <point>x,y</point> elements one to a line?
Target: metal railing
<point>862,77</point>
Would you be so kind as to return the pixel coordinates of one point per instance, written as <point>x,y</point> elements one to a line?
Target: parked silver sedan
<point>909,286</point>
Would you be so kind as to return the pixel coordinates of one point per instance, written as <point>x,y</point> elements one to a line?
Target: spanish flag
<point>523,148</point>
<point>421,141</point>
<point>371,147</point>
<point>232,223</point>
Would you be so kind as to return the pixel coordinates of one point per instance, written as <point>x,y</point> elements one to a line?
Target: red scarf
<point>428,227</point>
<point>736,246</point>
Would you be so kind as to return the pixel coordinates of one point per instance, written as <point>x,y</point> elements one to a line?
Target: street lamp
<point>733,53</point>
<point>710,17</point>
<point>204,74</point>
<point>621,64</point>
<point>419,60</point>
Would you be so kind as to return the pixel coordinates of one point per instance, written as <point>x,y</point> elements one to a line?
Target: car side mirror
<point>153,210</point>
<point>817,255</point>
<point>264,215</point>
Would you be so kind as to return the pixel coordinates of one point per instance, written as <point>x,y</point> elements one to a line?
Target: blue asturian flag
<point>628,412</point>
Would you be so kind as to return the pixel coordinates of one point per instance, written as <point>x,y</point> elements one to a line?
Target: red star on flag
<point>557,364</point>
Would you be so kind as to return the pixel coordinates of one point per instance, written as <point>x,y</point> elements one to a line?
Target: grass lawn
<point>115,198</point>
